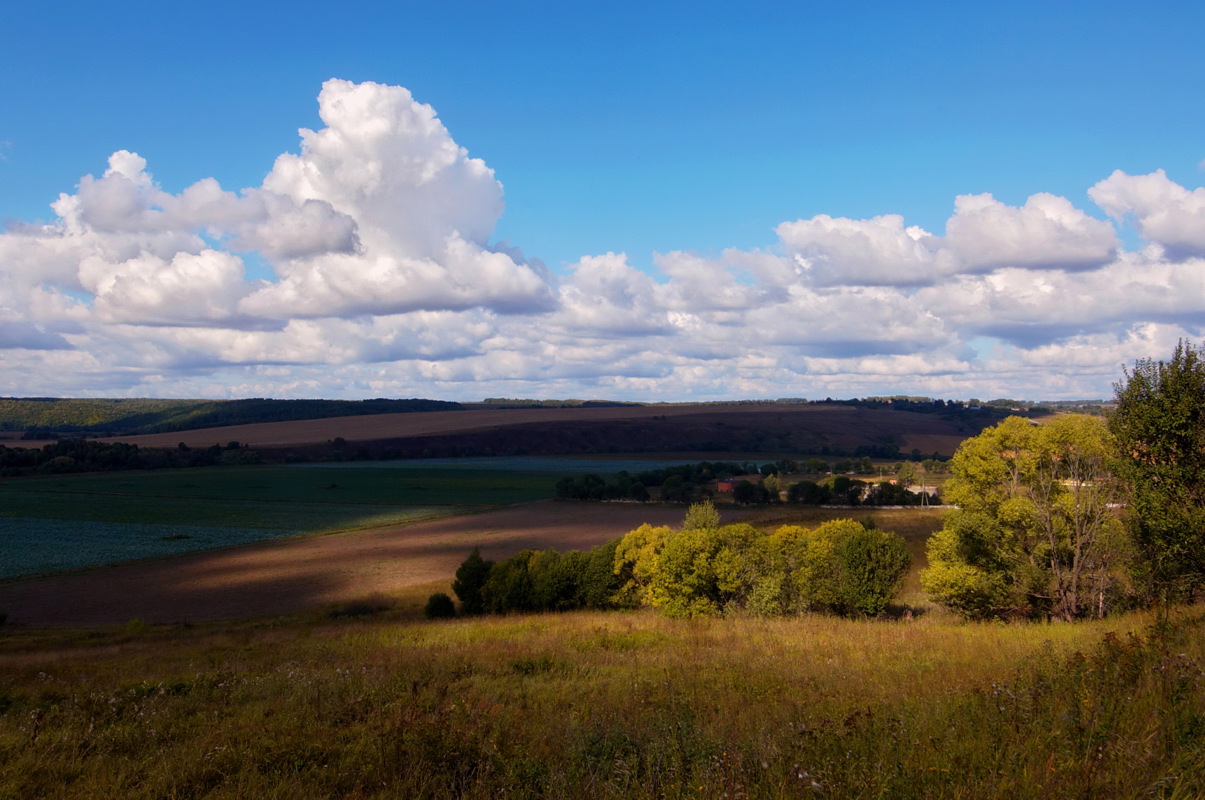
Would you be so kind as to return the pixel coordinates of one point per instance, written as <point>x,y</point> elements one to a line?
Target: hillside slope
<point>711,428</point>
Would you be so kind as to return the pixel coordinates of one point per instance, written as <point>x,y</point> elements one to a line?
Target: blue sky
<point>648,154</point>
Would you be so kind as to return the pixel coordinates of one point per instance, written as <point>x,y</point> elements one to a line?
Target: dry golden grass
<point>604,705</point>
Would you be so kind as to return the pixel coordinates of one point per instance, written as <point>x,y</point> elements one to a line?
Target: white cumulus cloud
<point>1045,233</point>
<point>836,251</point>
<point>364,265</point>
<point>1164,212</point>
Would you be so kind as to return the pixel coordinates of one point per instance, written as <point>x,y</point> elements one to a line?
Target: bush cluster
<point>688,483</point>
<point>840,567</point>
<point>594,487</point>
<point>538,580</point>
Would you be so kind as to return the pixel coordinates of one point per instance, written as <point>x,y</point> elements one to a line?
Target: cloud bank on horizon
<point>363,266</point>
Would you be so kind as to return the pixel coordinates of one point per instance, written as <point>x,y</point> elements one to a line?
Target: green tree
<point>599,586</point>
<point>676,490</point>
<point>471,577</point>
<point>1034,534</point>
<point>840,567</point>
<point>701,515</point>
<point>636,561</point>
<point>814,466</point>
<point>808,493</point>
<point>770,486</point>
<point>1159,424</point>
<point>748,493</point>
<point>555,578</point>
<point>704,570</point>
<point>845,490</point>
<point>509,586</point>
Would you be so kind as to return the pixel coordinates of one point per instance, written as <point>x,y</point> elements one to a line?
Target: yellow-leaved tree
<point>1036,533</point>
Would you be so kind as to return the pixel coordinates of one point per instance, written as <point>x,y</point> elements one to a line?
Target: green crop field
<point>64,522</point>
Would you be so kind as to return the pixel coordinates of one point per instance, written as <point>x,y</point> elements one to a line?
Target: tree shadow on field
<point>289,575</point>
<point>192,588</point>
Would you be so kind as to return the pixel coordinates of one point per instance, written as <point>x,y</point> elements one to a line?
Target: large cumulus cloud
<point>363,266</point>
<point>1047,233</point>
<point>380,213</point>
<point>1167,214</point>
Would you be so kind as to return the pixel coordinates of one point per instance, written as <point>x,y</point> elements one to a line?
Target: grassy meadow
<point>369,700</point>
<point>606,705</point>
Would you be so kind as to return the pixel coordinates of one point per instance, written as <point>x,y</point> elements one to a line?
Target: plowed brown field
<point>289,575</point>
<point>840,426</point>
<point>400,426</point>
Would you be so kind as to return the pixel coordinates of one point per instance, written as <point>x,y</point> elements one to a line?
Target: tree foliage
<point>704,568</point>
<point>592,486</point>
<point>1159,424</point>
<point>1034,534</point>
<point>747,493</point>
<point>840,567</point>
<point>808,493</point>
<point>471,576</point>
<point>540,580</point>
<point>701,515</point>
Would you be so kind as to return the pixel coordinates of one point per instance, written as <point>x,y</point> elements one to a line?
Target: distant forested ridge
<point>83,455</point>
<point>518,402</point>
<point>49,415</point>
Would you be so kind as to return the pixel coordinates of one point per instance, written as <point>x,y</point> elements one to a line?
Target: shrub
<point>137,627</point>
<point>872,563</point>
<point>439,606</point>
